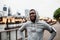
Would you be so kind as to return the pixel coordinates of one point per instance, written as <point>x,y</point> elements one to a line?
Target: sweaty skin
<point>35,30</point>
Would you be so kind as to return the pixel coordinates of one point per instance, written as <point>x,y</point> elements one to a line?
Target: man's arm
<point>51,30</point>
<point>21,29</point>
<point>53,34</point>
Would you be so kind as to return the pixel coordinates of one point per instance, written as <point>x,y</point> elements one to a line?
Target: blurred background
<point>14,13</point>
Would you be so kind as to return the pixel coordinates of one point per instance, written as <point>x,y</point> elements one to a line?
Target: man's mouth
<point>32,17</point>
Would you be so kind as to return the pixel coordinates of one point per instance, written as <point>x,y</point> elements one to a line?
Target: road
<point>47,34</point>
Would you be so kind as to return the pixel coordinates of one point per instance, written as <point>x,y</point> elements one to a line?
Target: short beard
<point>33,20</point>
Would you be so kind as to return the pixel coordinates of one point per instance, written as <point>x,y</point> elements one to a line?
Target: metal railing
<point>11,34</point>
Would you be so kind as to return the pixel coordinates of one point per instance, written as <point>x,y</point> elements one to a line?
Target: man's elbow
<point>54,32</point>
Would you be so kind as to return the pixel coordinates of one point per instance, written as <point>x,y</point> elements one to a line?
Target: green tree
<point>57,14</point>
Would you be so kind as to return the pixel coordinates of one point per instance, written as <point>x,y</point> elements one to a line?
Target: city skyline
<point>46,7</point>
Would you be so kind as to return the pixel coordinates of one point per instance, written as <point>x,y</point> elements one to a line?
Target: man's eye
<point>31,13</point>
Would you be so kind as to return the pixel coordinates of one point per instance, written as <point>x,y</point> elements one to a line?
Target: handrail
<point>9,32</point>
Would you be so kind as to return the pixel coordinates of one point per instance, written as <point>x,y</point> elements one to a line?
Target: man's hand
<point>20,39</point>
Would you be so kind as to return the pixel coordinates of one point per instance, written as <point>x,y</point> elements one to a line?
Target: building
<point>9,12</point>
<point>5,10</point>
<point>1,13</point>
<point>26,12</point>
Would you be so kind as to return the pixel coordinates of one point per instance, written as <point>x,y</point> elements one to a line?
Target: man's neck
<point>33,21</point>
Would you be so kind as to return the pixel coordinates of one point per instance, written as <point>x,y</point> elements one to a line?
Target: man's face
<point>32,16</point>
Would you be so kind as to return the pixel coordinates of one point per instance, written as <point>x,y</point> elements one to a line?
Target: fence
<point>9,34</point>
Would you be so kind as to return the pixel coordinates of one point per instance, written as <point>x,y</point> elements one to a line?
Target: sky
<point>45,8</point>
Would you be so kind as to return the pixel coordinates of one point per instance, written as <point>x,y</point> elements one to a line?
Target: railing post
<point>9,36</point>
<point>0,36</point>
<point>16,34</point>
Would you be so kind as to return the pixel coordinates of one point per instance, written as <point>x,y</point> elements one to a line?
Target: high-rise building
<point>18,13</point>
<point>1,13</point>
<point>26,12</point>
<point>5,10</point>
<point>9,12</point>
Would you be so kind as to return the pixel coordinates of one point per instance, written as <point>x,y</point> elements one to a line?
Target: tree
<point>57,14</point>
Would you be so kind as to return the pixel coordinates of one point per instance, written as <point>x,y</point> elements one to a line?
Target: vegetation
<point>57,14</point>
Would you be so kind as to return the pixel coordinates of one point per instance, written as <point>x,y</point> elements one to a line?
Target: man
<point>35,28</point>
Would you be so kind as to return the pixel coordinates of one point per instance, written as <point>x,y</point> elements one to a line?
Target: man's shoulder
<point>41,22</point>
<point>44,24</point>
<point>27,23</point>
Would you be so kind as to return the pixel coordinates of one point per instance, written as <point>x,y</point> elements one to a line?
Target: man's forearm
<point>20,39</point>
<point>53,34</point>
<point>21,35</point>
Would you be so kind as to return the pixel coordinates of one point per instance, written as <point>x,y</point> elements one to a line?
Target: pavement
<point>47,34</point>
